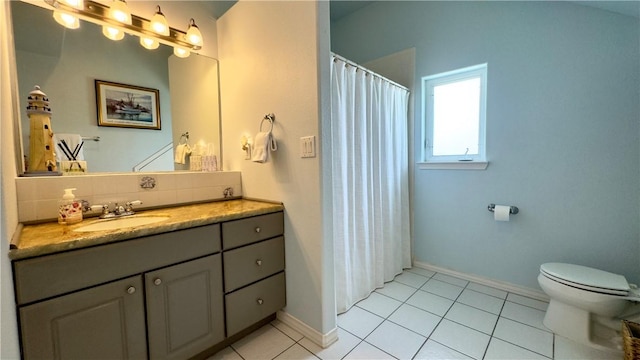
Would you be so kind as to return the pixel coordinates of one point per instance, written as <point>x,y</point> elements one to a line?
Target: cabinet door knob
<point>259,262</point>
<point>157,281</point>
<point>131,290</point>
<point>258,229</point>
<point>260,301</point>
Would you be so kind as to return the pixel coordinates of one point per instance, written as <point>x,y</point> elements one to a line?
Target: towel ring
<point>270,118</point>
<point>184,136</point>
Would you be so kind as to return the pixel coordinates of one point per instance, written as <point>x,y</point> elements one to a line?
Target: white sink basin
<point>123,222</point>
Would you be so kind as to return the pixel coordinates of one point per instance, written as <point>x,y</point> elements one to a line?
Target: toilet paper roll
<point>501,213</point>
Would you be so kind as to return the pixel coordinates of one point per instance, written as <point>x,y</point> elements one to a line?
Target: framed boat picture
<point>129,106</point>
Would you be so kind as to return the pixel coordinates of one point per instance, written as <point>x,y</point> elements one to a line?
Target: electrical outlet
<point>308,147</point>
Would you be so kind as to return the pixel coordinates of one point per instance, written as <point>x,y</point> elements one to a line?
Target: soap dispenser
<point>70,210</point>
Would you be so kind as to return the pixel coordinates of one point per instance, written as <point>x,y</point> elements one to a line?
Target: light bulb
<point>66,20</point>
<point>180,52</point>
<point>194,36</point>
<point>149,43</point>
<point>119,11</point>
<point>78,4</point>
<point>112,33</point>
<point>159,23</point>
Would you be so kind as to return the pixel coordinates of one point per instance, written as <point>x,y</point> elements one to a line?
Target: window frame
<point>477,161</point>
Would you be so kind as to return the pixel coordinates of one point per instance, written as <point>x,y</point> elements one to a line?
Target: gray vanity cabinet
<point>254,281</point>
<point>184,308</point>
<point>72,305</point>
<point>104,322</point>
<point>174,295</point>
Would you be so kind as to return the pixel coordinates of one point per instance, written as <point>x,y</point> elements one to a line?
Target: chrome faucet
<point>118,211</point>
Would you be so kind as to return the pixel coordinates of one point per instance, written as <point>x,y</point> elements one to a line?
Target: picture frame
<point>128,106</point>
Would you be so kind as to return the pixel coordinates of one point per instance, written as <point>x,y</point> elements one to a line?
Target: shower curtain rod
<point>360,67</point>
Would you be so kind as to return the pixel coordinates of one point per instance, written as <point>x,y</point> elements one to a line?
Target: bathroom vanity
<point>176,289</point>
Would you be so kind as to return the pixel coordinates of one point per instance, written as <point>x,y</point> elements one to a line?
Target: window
<point>454,106</point>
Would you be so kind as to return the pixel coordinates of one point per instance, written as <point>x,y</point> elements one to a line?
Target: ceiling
<point>217,8</point>
<point>342,8</point>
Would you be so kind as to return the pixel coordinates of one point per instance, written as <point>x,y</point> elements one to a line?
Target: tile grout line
<point>495,326</point>
<point>396,309</point>
<point>445,314</point>
<point>404,302</point>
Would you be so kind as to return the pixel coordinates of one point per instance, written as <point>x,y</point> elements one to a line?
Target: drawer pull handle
<point>131,290</point>
<point>157,281</point>
<point>260,301</point>
<point>259,262</point>
<point>258,229</point>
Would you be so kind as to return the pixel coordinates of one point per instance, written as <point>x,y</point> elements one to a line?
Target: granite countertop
<point>49,238</point>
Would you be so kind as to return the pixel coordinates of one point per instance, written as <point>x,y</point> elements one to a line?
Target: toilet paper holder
<point>512,209</point>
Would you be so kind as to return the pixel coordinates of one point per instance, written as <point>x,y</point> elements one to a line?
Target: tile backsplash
<point>38,196</point>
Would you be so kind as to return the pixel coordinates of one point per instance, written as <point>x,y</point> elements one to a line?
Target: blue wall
<point>562,132</point>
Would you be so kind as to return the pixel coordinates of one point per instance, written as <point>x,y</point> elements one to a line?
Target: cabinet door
<point>185,308</point>
<point>104,322</point>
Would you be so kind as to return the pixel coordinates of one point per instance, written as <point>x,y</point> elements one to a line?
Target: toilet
<point>586,304</point>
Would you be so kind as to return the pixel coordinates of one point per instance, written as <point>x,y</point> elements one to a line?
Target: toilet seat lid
<point>587,278</point>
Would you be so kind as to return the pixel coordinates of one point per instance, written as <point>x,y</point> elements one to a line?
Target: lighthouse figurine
<point>42,160</point>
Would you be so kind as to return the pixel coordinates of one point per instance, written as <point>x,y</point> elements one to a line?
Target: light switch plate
<point>308,146</point>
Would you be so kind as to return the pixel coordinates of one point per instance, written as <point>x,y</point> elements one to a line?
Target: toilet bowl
<point>585,303</point>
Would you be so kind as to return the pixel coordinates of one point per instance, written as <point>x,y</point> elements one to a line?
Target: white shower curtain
<point>370,179</point>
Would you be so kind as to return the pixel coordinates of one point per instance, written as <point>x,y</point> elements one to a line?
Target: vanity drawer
<point>46,276</point>
<point>249,305</point>
<point>251,263</point>
<point>246,231</point>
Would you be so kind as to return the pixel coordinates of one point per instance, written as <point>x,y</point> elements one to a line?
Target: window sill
<point>454,165</point>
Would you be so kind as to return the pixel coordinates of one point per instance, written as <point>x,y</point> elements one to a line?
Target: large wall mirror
<point>65,64</point>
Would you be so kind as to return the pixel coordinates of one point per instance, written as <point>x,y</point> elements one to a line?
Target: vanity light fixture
<point>116,20</point>
<point>119,11</point>
<point>112,33</point>
<point>180,52</point>
<point>67,20</point>
<point>149,43</point>
<point>159,23</point>
<point>193,34</point>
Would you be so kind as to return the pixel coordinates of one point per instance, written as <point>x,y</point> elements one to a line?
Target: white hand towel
<point>182,150</point>
<point>72,141</point>
<point>261,147</point>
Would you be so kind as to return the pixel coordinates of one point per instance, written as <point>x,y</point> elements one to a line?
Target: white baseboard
<point>516,289</point>
<point>320,339</point>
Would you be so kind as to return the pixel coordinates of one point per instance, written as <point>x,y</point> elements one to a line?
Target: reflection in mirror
<point>66,63</point>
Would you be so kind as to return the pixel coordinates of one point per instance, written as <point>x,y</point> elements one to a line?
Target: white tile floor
<point>425,315</point>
